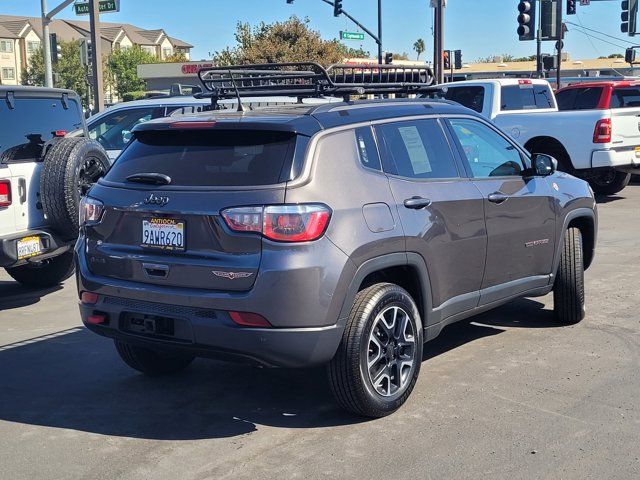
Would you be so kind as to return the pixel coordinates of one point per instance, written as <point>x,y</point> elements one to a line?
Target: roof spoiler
<point>309,79</point>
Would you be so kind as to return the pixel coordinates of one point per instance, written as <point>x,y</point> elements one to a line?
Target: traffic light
<point>337,8</point>
<point>630,56</point>
<point>457,59</point>
<point>447,59</point>
<point>571,7</point>
<point>86,52</point>
<point>629,17</point>
<point>527,20</point>
<point>550,62</point>
<point>388,58</point>
<point>56,50</point>
<point>548,21</point>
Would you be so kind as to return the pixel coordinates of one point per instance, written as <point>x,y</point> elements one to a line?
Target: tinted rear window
<point>470,97</point>
<point>32,122</point>
<point>526,97</point>
<point>208,158</point>
<point>627,97</point>
<point>586,98</point>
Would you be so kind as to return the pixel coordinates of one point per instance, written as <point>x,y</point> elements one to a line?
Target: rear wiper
<point>153,178</point>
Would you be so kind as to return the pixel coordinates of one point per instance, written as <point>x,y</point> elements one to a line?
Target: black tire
<point>349,372</point>
<point>608,181</point>
<point>568,289</point>
<point>71,166</point>
<point>151,362</point>
<point>45,274</point>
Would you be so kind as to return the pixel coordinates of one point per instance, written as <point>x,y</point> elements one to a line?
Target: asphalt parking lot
<point>509,394</point>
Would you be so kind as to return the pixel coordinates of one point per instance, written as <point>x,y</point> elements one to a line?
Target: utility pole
<point>539,67</point>
<point>46,41</point>
<point>438,40</point>
<point>379,32</point>
<point>560,30</point>
<point>46,46</point>
<point>94,20</point>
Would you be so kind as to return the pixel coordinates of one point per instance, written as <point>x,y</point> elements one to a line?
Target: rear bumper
<point>299,298</point>
<point>52,246</point>
<point>216,336</point>
<point>620,159</point>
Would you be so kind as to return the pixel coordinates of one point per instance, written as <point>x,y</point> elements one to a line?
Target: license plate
<point>164,233</point>
<point>637,150</point>
<point>28,247</point>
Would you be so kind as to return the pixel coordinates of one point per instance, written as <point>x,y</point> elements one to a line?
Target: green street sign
<point>104,6</point>
<point>351,36</point>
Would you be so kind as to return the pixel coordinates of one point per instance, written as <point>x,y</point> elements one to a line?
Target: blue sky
<point>477,27</point>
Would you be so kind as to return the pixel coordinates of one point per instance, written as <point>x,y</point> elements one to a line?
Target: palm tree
<point>418,46</point>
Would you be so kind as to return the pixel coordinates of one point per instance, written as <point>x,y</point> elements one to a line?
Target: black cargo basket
<point>308,79</point>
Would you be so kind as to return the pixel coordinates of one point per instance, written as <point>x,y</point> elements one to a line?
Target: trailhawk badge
<point>231,275</point>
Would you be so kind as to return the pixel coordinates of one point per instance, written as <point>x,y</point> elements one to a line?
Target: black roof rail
<point>309,79</point>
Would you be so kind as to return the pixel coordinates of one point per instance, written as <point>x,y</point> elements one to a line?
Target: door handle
<point>497,197</point>
<point>417,203</point>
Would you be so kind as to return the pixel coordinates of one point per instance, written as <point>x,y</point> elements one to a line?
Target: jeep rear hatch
<point>163,199</point>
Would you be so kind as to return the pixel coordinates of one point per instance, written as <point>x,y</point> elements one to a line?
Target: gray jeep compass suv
<point>345,234</point>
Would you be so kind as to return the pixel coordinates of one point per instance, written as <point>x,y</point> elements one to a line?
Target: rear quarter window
<point>470,97</point>
<point>525,97</point>
<point>208,157</point>
<point>587,98</point>
<point>627,97</point>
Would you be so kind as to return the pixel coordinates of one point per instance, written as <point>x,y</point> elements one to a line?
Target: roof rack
<point>309,79</point>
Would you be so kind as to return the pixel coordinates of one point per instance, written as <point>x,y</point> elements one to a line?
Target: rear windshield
<point>586,98</point>
<point>470,97</point>
<point>526,97</point>
<point>207,158</point>
<point>32,122</point>
<point>625,97</point>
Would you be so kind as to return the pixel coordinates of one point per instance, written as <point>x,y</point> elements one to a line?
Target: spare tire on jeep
<point>71,167</point>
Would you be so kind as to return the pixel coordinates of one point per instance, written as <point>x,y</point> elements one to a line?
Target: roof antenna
<point>233,82</point>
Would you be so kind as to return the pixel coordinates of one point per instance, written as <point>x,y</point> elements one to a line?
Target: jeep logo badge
<point>154,199</point>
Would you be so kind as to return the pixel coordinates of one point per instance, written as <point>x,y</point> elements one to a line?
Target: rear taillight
<point>282,223</point>
<point>90,211</point>
<point>602,132</point>
<point>5,193</point>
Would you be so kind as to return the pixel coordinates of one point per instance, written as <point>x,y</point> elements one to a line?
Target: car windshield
<point>526,96</point>
<point>33,122</point>
<point>207,157</point>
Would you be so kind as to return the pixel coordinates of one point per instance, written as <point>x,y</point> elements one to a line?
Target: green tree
<point>289,41</point>
<point>122,69</point>
<point>349,52</point>
<point>68,71</point>
<point>419,47</point>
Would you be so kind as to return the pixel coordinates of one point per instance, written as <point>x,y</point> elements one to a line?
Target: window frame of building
<point>5,70</point>
<point>6,46</point>
<point>32,46</point>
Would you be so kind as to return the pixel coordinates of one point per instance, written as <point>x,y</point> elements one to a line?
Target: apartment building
<point>21,36</point>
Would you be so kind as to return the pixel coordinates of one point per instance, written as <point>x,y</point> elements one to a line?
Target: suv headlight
<point>91,211</point>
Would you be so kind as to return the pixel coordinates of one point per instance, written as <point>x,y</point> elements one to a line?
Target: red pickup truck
<point>622,96</point>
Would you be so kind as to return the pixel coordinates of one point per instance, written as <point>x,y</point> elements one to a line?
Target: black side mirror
<point>543,165</point>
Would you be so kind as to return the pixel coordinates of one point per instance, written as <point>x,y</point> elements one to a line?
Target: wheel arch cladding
<point>586,225</point>
<point>406,270</point>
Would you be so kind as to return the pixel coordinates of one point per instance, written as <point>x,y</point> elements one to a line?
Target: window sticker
<point>415,148</point>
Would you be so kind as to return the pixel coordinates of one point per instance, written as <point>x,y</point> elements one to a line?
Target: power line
<point>598,32</point>
<point>599,39</point>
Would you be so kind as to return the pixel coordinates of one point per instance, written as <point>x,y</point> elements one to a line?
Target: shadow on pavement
<point>76,381</point>
<point>15,295</point>
<point>600,199</point>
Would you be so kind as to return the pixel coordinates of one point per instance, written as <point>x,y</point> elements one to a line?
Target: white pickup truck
<point>600,146</point>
